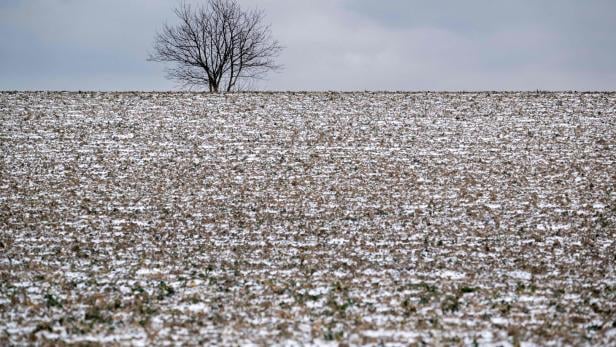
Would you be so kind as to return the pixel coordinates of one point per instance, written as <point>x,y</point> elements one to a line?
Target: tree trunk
<point>213,85</point>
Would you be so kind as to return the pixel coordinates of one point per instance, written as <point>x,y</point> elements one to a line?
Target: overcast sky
<point>330,44</point>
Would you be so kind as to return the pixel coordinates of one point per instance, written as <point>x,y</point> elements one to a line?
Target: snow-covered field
<point>308,218</point>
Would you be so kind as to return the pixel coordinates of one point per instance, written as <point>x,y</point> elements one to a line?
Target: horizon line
<point>419,91</point>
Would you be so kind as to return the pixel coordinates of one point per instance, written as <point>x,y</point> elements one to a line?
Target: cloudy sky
<point>330,44</point>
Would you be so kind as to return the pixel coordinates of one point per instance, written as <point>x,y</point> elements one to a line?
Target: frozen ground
<point>308,218</point>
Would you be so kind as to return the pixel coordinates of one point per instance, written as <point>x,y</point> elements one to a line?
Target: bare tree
<point>218,45</point>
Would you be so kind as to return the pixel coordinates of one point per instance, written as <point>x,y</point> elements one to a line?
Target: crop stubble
<point>139,218</point>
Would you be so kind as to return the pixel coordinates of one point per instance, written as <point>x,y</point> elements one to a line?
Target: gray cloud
<point>330,44</point>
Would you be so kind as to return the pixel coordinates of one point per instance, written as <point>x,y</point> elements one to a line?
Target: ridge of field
<point>308,218</point>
